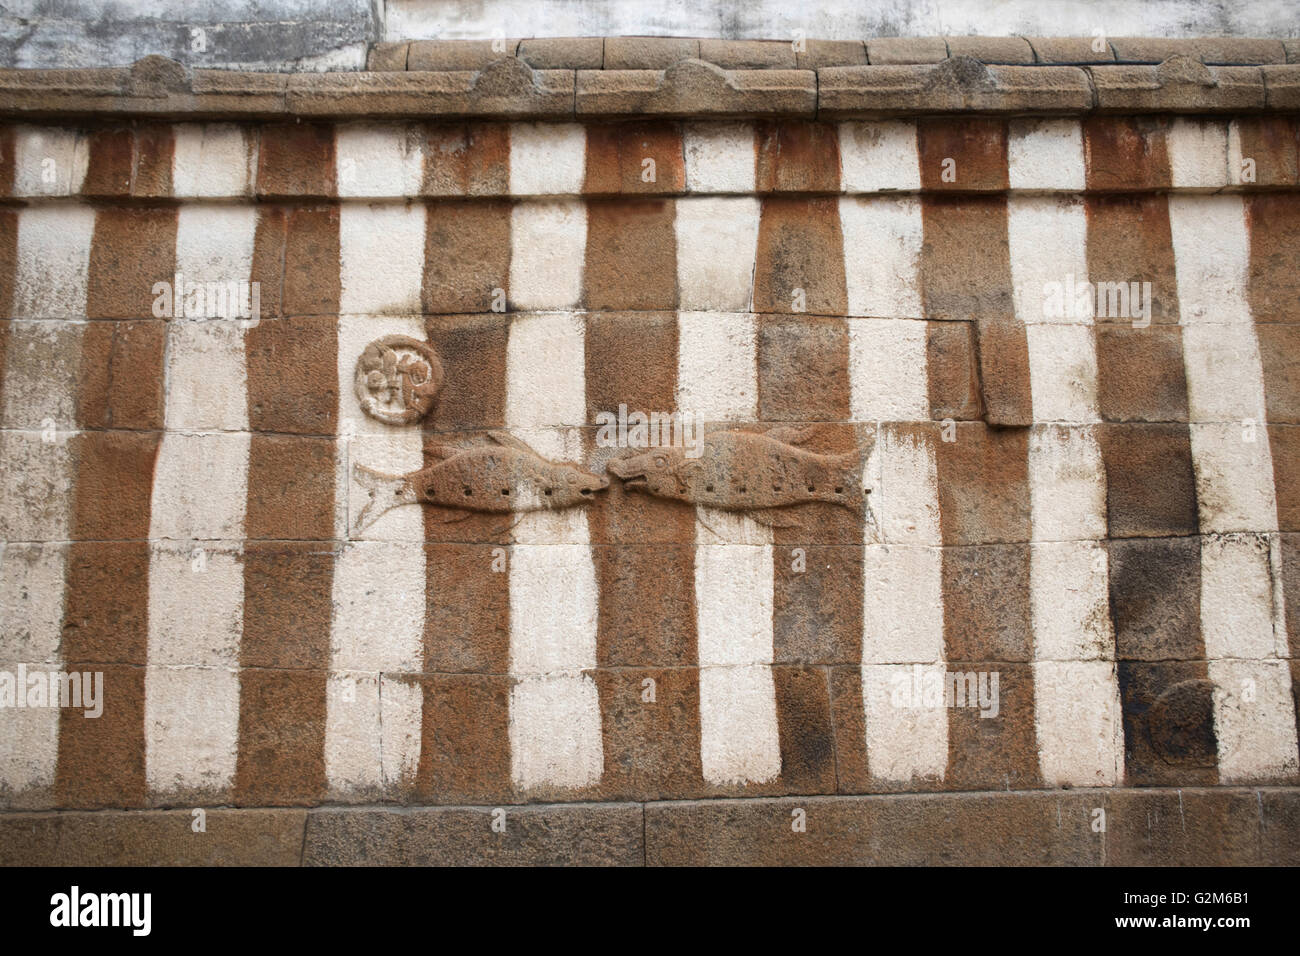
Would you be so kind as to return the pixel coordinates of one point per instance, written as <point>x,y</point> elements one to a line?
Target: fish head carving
<point>560,485</point>
<point>659,472</point>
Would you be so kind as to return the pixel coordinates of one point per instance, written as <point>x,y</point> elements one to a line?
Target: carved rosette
<point>398,379</point>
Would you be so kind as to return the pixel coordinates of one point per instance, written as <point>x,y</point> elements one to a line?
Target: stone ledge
<point>1210,826</point>
<point>506,86</point>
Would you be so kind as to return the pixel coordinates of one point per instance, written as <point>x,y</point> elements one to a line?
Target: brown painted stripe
<point>1273,144</point>
<point>311,284</point>
<point>1126,153</point>
<point>105,624</point>
<point>465,749</point>
<point>466,256</point>
<point>1154,568</point>
<point>800,247</point>
<point>617,155</point>
<point>643,550</point>
<point>296,160</point>
<point>120,385</point>
<point>966,274</point>
<point>796,156</point>
<point>631,260</point>
<point>962,155</point>
<point>8,169</point>
<point>1272,290</point>
<point>467,159</point>
<point>130,161</point>
<point>291,366</point>
<point>984,518</point>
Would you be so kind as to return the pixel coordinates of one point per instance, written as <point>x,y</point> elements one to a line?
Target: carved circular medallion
<point>398,379</point>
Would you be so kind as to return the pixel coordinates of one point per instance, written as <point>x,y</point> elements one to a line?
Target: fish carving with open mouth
<point>748,472</point>
<point>504,477</point>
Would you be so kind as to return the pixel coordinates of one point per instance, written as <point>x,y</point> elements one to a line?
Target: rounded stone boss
<point>398,379</point>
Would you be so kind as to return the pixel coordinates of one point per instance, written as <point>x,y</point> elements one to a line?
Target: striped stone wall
<point>1099,509</point>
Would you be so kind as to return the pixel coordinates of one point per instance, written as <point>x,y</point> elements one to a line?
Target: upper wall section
<point>297,35</point>
<point>701,79</point>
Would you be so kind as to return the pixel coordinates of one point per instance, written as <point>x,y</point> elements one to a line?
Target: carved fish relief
<point>747,472</point>
<point>504,477</point>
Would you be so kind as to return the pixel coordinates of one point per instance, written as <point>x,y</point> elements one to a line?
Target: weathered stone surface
<point>152,838</point>
<point>446,55</point>
<point>821,53</point>
<point>1178,85</point>
<point>915,829</point>
<point>1070,50</point>
<point>1150,485</point>
<point>749,54</point>
<point>957,84</point>
<point>1007,50</point>
<point>563,53</point>
<point>386,57</point>
<point>695,88</point>
<point>1185,828</point>
<point>1282,86</point>
<point>1168,709</point>
<point>1240,51</point>
<point>895,50</point>
<point>648,53</point>
<point>1155,588</point>
<point>562,835</point>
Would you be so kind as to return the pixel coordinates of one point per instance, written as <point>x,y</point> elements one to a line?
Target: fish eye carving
<point>398,379</point>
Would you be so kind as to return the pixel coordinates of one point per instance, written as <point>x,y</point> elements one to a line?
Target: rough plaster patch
<point>1198,153</point>
<point>548,248</point>
<point>1254,720</point>
<point>212,160</point>
<point>53,259</point>
<point>902,604</point>
<point>49,161</point>
<point>1045,154</point>
<point>888,377</point>
<point>719,157</point>
<point>716,243</point>
<point>882,253</point>
<point>191,727</point>
<point>879,156</point>
<point>717,366</point>
<point>381,248</point>
<point>379,159</point>
<point>1078,723</point>
<point>904,744</point>
<point>547,159</point>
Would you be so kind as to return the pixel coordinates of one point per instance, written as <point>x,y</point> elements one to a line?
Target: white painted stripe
<point>882,253</point>
<point>212,160</point>
<point>1076,710</point>
<point>1045,154</point>
<point>879,156</point>
<point>36,475</point>
<point>1254,722</point>
<point>548,250</point>
<point>382,160</point>
<point>717,366</point>
<point>739,733</point>
<point>197,507</point>
<point>717,380</point>
<point>53,261</point>
<point>49,161</point>
<point>888,366</point>
<point>378,594</point>
<point>381,253</point>
<point>720,157</point>
<point>1198,153</point>
<point>555,721</point>
<point>902,596</point>
<point>547,159</point>
<point>716,243</point>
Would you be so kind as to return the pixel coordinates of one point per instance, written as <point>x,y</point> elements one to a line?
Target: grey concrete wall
<point>333,34</point>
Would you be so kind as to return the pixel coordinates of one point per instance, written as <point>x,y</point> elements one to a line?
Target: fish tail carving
<point>386,492</point>
<point>848,471</point>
